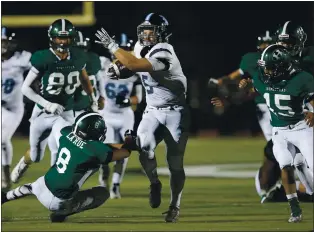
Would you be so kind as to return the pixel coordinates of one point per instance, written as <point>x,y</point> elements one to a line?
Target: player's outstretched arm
<point>88,88</point>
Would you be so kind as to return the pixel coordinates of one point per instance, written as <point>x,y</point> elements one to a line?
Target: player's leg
<point>10,122</point>
<point>53,139</point>
<point>285,160</point>
<point>104,170</point>
<point>263,116</point>
<point>82,201</point>
<point>176,136</point>
<point>150,133</point>
<point>41,124</point>
<point>127,123</point>
<point>304,173</point>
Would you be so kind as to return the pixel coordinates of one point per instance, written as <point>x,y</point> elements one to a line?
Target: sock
<point>290,196</point>
<point>149,166</point>
<point>116,178</point>
<point>177,179</point>
<point>19,192</point>
<point>294,204</point>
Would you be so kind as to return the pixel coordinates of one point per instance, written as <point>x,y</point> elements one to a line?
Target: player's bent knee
<point>290,174</point>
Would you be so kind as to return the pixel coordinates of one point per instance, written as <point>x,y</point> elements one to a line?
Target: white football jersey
<point>12,78</point>
<point>163,88</point>
<point>115,87</point>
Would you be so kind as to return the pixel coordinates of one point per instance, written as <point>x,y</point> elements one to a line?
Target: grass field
<point>208,204</point>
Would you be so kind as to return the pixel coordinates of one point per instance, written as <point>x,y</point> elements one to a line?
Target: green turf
<point>208,204</point>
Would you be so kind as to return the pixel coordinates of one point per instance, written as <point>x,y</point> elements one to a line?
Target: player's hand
<point>101,103</point>
<point>244,84</point>
<point>113,72</point>
<point>131,141</point>
<point>106,41</point>
<point>122,101</point>
<point>309,118</point>
<point>217,102</point>
<point>54,108</point>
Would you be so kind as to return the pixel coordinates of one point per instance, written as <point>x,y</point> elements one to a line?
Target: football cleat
<point>55,217</point>
<point>172,214</point>
<point>19,170</point>
<point>3,197</point>
<point>115,192</point>
<point>155,194</point>
<point>295,219</point>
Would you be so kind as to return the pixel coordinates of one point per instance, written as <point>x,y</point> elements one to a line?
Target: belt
<point>175,107</point>
<point>289,127</point>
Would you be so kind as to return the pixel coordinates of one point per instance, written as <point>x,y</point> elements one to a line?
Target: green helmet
<point>292,36</point>
<point>61,28</point>
<point>81,41</point>
<point>275,62</point>
<point>90,126</point>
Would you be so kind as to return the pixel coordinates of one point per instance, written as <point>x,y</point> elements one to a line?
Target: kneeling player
<point>81,151</point>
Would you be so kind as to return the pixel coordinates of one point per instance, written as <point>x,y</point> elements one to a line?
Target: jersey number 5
<point>148,88</point>
<point>276,102</point>
<point>63,160</point>
<point>56,82</point>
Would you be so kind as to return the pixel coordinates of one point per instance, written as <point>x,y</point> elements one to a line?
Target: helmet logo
<point>277,54</point>
<point>97,124</point>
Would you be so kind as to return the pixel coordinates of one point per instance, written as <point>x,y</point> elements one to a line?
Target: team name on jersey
<point>66,67</point>
<point>276,89</point>
<point>76,140</point>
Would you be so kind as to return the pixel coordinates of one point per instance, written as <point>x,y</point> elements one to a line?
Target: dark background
<point>209,38</point>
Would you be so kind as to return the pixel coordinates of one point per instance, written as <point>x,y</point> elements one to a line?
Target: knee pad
<point>299,160</point>
<point>268,151</point>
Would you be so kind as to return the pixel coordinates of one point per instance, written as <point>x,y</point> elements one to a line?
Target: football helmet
<point>8,42</point>
<point>61,29</point>
<point>275,62</point>
<point>90,126</point>
<point>158,24</point>
<point>126,43</point>
<point>81,41</point>
<point>264,41</point>
<point>292,36</point>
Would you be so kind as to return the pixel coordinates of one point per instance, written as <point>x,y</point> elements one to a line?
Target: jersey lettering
<point>148,88</point>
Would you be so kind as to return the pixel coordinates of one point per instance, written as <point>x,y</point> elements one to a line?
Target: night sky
<point>208,37</point>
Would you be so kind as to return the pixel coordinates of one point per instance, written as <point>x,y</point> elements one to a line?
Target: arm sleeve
<point>161,59</point>
<point>29,92</point>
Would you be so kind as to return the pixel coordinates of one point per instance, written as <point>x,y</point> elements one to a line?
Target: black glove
<point>122,101</point>
<point>131,141</point>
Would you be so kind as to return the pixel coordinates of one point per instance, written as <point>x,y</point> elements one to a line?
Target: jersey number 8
<point>56,82</point>
<point>63,160</point>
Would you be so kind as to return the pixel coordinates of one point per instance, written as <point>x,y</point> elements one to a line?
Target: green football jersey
<point>81,100</point>
<point>59,78</point>
<point>77,159</point>
<point>307,59</point>
<point>249,66</point>
<point>285,99</point>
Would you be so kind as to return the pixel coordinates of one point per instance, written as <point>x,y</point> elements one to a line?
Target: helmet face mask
<point>153,30</point>
<point>61,34</point>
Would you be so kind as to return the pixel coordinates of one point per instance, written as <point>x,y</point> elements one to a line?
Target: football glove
<point>131,141</point>
<point>54,108</point>
<point>106,41</point>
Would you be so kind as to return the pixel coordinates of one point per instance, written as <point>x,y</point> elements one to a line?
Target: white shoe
<point>296,219</point>
<point>115,191</point>
<point>19,170</point>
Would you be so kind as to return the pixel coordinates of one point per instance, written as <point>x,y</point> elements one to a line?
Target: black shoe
<point>54,217</point>
<point>4,198</point>
<point>172,214</point>
<point>155,194</point>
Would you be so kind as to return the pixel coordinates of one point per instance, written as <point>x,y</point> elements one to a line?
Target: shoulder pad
<point>161,50</point>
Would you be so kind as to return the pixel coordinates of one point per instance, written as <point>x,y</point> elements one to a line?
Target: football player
<point>61,70</point>
<point>166,115</point>
<point>293,37</point>
<point>285,87</point>
<point>81,99</point>
<point>81,151</point>
<point>120,96</point>
<point>14,64</point>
